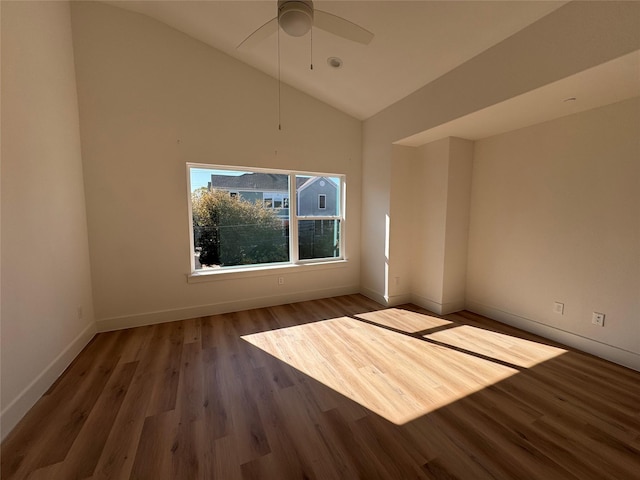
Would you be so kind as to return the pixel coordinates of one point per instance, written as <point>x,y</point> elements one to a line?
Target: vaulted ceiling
<point>415,43</point>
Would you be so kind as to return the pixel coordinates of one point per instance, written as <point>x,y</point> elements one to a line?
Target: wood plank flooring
<point>340,388</point>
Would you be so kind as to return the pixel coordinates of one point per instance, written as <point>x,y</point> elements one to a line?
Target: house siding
<point>308,198</point>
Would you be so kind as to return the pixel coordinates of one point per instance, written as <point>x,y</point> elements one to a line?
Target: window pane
<point>243,229</point>
<point>318,239</point>
<point>318,196</point>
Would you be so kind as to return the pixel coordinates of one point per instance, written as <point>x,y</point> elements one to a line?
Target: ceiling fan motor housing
<point>295,17</point>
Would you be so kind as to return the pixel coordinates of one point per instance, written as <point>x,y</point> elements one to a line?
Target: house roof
<point>312,180</point>
<point>256,181</point>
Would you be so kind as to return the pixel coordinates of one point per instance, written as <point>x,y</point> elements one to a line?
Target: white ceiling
<point>610,82</point>
<point>415,42</point>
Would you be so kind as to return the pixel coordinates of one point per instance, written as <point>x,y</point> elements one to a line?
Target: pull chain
<point>311,47</point>
<point>279,81</point>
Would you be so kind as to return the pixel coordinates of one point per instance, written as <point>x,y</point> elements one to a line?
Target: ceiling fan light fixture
<point>295,17</point>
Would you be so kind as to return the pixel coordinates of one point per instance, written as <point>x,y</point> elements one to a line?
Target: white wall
<point>376,197</point>
<point>459,176</point>
<point>555,216</point>
<point>430,195</point>
<point>45,258</point>
<point>404,211</point>
<point>571,39</point>
<point>151,100</point>
<point>429,182</point>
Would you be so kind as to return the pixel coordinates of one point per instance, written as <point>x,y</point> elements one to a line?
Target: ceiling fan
<point>296,17</point>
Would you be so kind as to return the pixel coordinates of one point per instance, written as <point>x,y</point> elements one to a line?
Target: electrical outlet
<point>280,280</point>
<point>558,308</point>
<point>598,319</point>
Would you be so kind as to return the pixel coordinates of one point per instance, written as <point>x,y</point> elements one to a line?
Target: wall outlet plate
<point>598,319</point>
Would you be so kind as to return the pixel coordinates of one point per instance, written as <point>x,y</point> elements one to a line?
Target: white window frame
<point>294,218</point>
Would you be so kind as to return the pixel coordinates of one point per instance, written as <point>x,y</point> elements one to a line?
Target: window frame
<point>294,218</point>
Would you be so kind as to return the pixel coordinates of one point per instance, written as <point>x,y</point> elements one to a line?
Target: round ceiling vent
<point>334,62</point>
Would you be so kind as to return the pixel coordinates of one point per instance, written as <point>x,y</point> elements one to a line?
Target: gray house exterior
<point>316,196</point>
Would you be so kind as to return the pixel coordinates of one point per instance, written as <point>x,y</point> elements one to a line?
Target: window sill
<point>232,273</point>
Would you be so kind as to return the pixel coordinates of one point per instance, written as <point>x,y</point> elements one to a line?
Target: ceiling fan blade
<point>260,34</point>
<point>341,27</point>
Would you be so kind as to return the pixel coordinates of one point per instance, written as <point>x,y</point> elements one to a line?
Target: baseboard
<point>453,307</point>
<point>399,299</point>
<point>13,413</point>
<point>387,301</point>
<point>436,307</point>
<point>373,295</point>
<point>594,347</point>
<point>151,318</point>
<point>426,303</point>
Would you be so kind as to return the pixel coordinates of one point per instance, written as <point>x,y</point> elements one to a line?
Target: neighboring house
<point>315,195</point>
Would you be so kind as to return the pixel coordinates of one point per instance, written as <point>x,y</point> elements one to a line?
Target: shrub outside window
<point>243,217</point>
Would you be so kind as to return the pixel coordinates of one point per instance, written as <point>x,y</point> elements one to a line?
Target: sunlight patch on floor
<point>394,374</point>
<point>517,351</point>
<point>405,320</point>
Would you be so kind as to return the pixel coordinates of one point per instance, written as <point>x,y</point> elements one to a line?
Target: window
<point>275,200</point>
<point>250,217</point>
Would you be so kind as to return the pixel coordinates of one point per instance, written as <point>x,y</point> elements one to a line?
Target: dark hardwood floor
<point>338,388</point>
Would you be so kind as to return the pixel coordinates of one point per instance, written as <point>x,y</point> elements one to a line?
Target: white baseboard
<point>426,303</point>
<point>399,299</point>
<point>436,307</point>
<point>594,347</point>
<point>19,406</point>
<point>375,296</point>
<point>453,307</point>
<point>389,301</point>
<point>151,318</point>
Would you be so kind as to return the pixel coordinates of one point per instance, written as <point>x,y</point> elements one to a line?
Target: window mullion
<point>192,255</point>
<point>293,219</point>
